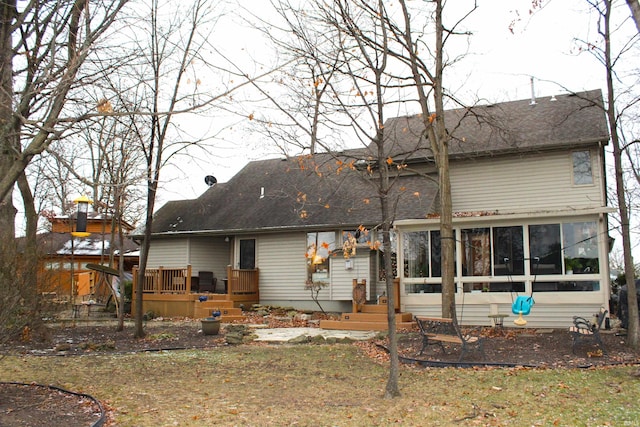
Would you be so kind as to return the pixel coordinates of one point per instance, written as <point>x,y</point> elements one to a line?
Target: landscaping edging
<point>102,415</point>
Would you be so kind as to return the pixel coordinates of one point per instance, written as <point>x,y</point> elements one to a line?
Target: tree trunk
<point>438,139</point>
<point>144,255</point>
<point>632,299</point>
<point>447,236</point>
<point>634,5</point>
<point>31,245</point>
<point>392,389</point>
<point>8,137</point>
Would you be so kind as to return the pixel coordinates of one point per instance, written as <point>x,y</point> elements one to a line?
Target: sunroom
<point>561,260</point>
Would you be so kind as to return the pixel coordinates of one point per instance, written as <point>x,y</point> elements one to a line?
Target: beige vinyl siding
<point>209,254</point>
<point>283,270</point>
<point>283,267</point>
<point>342,279</point>
<point>542,182</point>
<point>169,253</point>
<point>543,314</point>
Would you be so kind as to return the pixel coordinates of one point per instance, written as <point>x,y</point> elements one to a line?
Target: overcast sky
<point>499,68</point>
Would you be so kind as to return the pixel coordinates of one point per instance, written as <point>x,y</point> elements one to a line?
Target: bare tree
<point>171,70</point>
<point>359,64</point>
<point>428,77</point>
<point>44,46</point>
<point>615,111</point>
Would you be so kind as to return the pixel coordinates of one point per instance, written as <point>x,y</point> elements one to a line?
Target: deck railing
<point>242,284</point>
<point>165,280</point>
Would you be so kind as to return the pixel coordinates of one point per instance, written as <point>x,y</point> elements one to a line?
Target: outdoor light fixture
<point>81,216</point>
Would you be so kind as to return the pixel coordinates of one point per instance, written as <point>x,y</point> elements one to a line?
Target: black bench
<point>438,330</point>
<point>584,330</point>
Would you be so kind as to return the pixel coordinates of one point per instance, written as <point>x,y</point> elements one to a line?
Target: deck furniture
<point>584,330</point>
<point>436,330</point>
<point>206,282</point>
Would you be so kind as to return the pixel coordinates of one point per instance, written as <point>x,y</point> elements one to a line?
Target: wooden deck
<point>168,292</point>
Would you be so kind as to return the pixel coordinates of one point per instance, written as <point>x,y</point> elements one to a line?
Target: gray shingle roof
<point>305,192</point>
<point>290,194</point>
<point>567,121</point>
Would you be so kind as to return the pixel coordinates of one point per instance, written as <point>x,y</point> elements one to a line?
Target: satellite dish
<point>210,180</point>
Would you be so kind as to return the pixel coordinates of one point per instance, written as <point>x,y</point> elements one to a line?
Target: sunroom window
<point>580,245</point>
<point>508,247</point>
<point>505,259</point>
<point>416,254</point>
<point>476,255</point>
<point>545,249</point>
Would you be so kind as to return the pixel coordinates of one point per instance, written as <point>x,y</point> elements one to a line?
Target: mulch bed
<point>542,348</point>
<point>24,405</point>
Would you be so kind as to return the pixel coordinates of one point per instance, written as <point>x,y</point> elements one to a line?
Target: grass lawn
<point>329,385</point>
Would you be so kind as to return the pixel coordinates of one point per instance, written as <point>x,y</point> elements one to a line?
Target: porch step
<point>352,325</point>
<point>375,317</point>
<point>228,312</point>
<point>368,321</point>
<point>374,308</point>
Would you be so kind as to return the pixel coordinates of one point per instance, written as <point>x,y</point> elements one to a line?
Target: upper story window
<point>582,171</point>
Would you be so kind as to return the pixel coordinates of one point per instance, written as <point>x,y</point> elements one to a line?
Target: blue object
<point>523,305</point>
<point>202,298</point>
<point>216,313</point>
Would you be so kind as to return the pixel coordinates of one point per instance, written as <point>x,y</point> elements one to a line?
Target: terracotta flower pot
<point>210,326</point>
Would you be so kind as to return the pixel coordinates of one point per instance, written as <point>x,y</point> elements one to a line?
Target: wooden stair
<point>371,317</point>
<point>229,313</point>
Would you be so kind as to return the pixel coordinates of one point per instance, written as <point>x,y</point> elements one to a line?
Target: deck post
<point>359,294</point>
<point>188,280</point>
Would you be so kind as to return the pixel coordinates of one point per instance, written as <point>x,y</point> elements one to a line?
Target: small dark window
<point>582,173</point>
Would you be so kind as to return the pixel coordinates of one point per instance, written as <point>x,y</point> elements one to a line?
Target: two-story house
<point>530,216</point>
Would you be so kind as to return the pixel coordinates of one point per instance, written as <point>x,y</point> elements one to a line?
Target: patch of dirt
<point>544,348</point>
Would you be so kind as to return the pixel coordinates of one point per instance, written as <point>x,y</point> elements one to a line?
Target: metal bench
<point>584,330</point>
<point>437,330</point>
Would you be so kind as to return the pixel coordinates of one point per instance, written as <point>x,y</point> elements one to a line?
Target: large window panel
<point>476,252</point>
<point>415,254</point>
<point>508,247</point>
<point>545,249</point>
<point>580,245</point>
